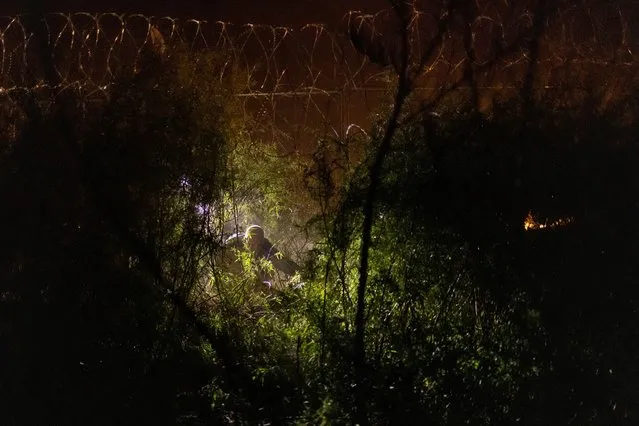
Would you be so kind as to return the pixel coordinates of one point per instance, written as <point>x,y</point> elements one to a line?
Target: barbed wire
<point>322,70</point>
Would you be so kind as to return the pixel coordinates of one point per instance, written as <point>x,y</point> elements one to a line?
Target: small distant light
<point>531,224</point>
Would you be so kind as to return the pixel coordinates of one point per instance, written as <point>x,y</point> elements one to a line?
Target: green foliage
<point>120,306</point>
<point>265,189</point>
<point>92,328</point>
<point>463,302</point>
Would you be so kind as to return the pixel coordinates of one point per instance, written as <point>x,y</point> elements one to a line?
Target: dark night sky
<point>281,12</point>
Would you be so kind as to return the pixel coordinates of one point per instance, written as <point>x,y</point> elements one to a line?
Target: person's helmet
<point>254,238</point>
<point>254,231</point>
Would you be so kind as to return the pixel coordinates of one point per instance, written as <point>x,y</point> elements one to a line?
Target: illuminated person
<point>262,248</point>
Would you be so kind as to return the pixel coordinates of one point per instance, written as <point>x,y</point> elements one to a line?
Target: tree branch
<point>403,90</point>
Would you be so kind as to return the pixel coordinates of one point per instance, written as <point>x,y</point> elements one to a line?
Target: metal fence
<point>315,70</point>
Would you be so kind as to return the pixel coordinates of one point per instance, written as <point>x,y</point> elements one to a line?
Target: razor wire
<point>331,73</point>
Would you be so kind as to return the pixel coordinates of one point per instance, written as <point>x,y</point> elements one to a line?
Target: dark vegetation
<point>113,309</point>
